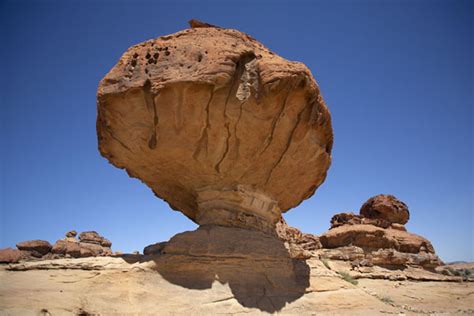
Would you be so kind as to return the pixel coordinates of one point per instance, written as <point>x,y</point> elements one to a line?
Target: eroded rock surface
<point>386,207</point>
<point>90,244</point>
<point>217,125</point>
<point>377,237</point>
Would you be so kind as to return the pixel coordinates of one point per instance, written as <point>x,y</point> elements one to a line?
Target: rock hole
<point>135,55</point>
<point>156,55</point>
<point>134,62</point>
<point>199,57</point>
<point>148,56</point>
<point>167,53</point>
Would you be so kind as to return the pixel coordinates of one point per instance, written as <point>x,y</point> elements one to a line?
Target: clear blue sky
<point>397,77</point>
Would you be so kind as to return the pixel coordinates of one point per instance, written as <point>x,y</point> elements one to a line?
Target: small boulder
<point>344,219</point>
<point>64,247</point>
<point>10,255</point>
<point>95,249</point>
<point>40,247</point>
<point>93,237</point>
<point>386,207</point>
<point>71,233</point>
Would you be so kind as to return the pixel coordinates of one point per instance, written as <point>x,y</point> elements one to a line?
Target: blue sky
<point>396,75</point>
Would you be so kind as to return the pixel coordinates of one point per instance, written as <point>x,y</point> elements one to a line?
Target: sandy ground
<point>111,286</point>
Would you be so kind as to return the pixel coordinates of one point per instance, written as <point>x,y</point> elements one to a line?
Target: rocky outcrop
<point>299,245</point>
<point>386,207</point>
<point>377,237</point>
<point>36,248</point>
<point>154,249</point>
<point>10,255</point>
<point>90,244</point>
<point>217,125</point>
<point>92,237</point>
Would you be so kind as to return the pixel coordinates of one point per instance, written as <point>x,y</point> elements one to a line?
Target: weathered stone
<point>93,237</point>
<point>369,236</point>
<point>300,245</point>
<point>154,249</point>
<point>64,247</point>
<point>41,247</point>
<point>386,207</point>
<point>95,249</point>
<point>352,219</point>
<point>71,233</point>
<point>217,125</point>
<point>9,255</point>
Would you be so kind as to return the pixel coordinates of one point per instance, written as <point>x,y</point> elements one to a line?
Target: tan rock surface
<point>139,285</point>
<point>217,125</point>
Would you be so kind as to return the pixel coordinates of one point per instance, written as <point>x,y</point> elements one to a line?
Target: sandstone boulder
<point>386,207</point>
<point>352,219</point>
<point>373,237</point>
<point>9,255</point>
<point>217,125</point>
<point>37,248</point>
<point>64,247</point>
<point>377,237</point>
<point>71,234</point>
<point>92,237</point>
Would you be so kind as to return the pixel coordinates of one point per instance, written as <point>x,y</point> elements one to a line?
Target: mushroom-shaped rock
<point>217,125</point>
<point>386,207</point>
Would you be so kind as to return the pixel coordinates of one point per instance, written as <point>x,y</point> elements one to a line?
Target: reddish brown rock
<point>64,247</point>
<point>154,249</point>
<point>352,219</point>
<point>217,125</point>
<point>386,207</point>
<point>369,236</point>
<point>9,255</point>
<point>71,234</point>
<point>36,247</point>
<point>295,237</point>
<point>93,237</point>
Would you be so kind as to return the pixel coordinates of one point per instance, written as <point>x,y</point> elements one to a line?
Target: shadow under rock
<point>256,267</point>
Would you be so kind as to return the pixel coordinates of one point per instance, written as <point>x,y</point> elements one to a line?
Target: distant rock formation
<point>377,237</point>
<point>90,244</point>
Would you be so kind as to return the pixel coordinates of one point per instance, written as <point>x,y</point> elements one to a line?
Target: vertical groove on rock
<point>226,150</point>
<point>269,139</point>
<point>207,125</point>
<point>150,103</point>
<point>178,118</point>
<point>288,144</point>
<point>234,81</point>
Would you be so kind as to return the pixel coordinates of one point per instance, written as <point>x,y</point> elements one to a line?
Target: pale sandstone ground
<point>135,285</point>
